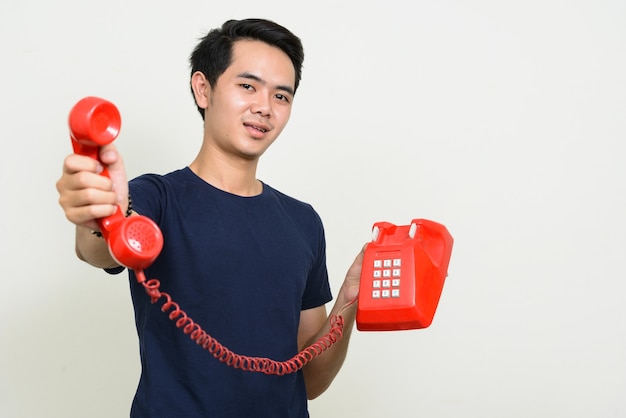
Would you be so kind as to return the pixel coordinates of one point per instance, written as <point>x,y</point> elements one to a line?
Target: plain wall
<point>505,121</point>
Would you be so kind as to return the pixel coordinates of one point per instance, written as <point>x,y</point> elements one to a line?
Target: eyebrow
<point>258,79</point>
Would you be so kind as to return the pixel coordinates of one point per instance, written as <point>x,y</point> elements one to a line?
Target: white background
<point>504,120</point>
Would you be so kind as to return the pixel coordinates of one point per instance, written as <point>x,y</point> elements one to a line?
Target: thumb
<point>112,159</point>
<point>353,277</point>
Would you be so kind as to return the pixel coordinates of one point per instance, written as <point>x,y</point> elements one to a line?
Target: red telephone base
<point>404,268</point>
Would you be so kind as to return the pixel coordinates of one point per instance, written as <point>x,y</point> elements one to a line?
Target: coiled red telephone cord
<point>223,354</point>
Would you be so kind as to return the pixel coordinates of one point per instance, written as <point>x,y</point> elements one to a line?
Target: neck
<point>233,176</point>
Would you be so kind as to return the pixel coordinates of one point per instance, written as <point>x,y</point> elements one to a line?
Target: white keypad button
<point>386,278</point>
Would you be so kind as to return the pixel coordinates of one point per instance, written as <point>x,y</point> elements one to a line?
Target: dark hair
<point>213,54</point>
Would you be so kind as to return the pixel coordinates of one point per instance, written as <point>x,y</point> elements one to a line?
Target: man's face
<point>251,102</point>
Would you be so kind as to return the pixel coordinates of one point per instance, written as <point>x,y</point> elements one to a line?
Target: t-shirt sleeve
<point>317,291</point>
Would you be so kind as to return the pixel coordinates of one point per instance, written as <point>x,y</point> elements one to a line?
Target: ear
<point>201,89</point>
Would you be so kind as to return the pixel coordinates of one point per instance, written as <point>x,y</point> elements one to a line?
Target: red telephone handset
<point>135,242</point>
<point>404,268</point>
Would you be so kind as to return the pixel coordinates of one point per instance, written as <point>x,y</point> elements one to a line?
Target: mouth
<point>257,127</point>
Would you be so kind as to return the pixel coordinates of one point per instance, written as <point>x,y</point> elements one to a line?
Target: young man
<point>245,261</point>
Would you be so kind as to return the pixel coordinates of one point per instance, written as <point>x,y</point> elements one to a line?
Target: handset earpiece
<point>135,242</point>
<point>93,122</point>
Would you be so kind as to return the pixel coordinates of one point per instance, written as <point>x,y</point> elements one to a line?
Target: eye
<point>283,97</point>
<point>247,86</point>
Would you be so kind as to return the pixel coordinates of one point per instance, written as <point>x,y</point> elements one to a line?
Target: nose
<point>262,105</point>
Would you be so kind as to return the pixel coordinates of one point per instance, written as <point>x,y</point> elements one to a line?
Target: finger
<point>109,155</point>
<point>83,205</point>
<point>85,180</point>
<point>75,163</point>
<point>91,196</point>
<point>86,215</point>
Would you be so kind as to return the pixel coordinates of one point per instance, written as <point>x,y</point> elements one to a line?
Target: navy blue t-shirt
<point>242,268</point>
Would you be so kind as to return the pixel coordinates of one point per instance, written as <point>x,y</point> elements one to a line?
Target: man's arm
<point>93,249</point>
<point>320,372</point>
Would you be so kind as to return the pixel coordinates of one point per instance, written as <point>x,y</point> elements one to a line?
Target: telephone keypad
<point>389,270</point>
